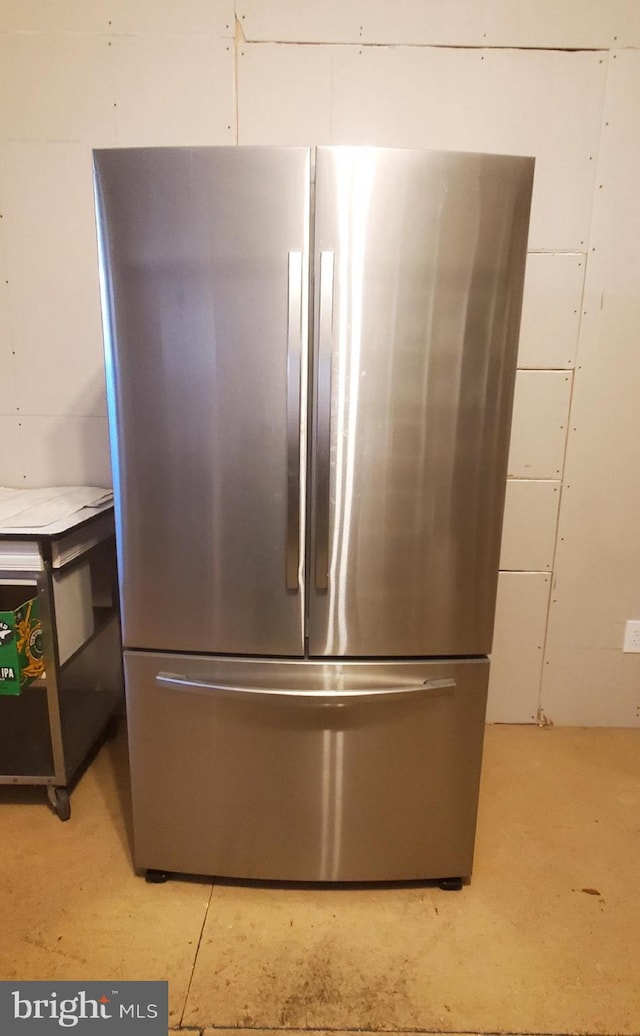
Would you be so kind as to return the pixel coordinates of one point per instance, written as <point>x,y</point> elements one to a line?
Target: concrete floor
<point>546,939</point>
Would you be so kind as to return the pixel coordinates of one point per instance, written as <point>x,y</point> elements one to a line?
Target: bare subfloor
<point>546,939</point>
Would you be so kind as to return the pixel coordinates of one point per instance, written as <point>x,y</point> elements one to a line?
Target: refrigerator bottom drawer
<point>305,771</point>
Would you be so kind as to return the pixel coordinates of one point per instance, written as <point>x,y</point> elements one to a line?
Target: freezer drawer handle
<point>294,347</point>
<point>323,439</point>
<point>427,689</point>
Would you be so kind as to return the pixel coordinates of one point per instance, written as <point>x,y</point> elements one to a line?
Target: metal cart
<point>48,731</point>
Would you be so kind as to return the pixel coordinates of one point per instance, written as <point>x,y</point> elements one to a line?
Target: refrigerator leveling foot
<point>59,801</point>
<point>154,877</point>
<point>450,884</point>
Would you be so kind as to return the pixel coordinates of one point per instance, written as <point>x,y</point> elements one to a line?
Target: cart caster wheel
<point>153,877</point>
<point>450,884</point>
<point>59,801</point>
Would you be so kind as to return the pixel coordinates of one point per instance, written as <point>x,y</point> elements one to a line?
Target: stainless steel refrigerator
<point>310,357</point>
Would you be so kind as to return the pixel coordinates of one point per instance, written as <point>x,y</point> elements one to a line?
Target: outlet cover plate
<point>632,636</point>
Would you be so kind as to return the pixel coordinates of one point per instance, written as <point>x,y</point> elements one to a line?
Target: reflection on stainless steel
<point>332,803</point>
<point>355,171</point>
<point>430,252</point>
<point>323,417</point>
<point>278,785</point>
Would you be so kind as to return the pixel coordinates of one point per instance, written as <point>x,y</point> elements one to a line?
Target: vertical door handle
<point>323,405</point>
<point>294,348</point>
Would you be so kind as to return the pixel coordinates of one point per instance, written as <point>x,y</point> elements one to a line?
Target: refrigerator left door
<point>204,274</point>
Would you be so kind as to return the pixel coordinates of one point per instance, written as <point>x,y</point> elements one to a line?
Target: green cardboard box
<point>21,659</point>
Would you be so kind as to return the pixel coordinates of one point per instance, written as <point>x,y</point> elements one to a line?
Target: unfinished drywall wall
<point>587,678</point>
<point>560,82</point>
<point>75,76</point>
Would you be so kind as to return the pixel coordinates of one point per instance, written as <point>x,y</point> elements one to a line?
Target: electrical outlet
<point>632,635</point>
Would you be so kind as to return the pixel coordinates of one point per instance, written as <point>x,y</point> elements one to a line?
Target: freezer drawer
<point>306,771</point>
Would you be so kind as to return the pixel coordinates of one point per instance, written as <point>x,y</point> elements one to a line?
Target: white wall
<point>78,74</point>
<point>559,81</point>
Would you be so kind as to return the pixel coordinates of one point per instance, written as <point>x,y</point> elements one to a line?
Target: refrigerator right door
<point>419,265</point>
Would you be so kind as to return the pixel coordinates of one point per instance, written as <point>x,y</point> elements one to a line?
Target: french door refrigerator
<point>310,359</point>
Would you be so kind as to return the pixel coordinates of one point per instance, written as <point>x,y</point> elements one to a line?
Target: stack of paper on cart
<point>35,508</point>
